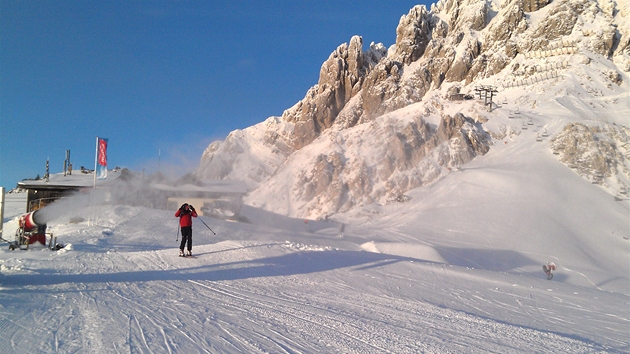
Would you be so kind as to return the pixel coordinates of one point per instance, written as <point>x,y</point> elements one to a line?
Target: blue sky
<point>160,76</point>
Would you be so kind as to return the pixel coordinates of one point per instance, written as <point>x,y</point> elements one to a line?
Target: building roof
<point>188,183</point>
<point>76,180</point>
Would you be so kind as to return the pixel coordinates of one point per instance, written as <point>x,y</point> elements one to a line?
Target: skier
<point>185,213</point>
<point>548,269</point>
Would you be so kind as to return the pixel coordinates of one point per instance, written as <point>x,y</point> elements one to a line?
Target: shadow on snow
<point>486,259</point>
<point>285,265</point>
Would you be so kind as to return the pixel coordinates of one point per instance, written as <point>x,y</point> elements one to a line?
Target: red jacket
<point>185,219</point>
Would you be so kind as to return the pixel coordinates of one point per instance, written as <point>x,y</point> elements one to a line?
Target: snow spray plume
<point>130,188</point>
<point>70,208</point>
<point>176,160</point>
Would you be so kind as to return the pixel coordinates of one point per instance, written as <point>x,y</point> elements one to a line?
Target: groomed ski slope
<point>457,269</point>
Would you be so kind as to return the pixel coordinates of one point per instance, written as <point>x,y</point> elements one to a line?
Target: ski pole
<point>177,237</point>
<point>208,226</point>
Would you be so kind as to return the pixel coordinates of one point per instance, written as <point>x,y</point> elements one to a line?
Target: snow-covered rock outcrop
<point>377,123</point>
<point>600,153</point>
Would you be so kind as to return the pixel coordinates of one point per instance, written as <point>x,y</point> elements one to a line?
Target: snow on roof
<point>76,180</point>
<point>81,180</point>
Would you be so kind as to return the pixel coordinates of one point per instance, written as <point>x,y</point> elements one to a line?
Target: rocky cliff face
<point>458,43</point>
<point>341,78</point>
<point>597,153</point>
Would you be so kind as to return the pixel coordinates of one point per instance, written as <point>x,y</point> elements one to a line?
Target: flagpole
<point>92,193</point>
<point>95,161</point>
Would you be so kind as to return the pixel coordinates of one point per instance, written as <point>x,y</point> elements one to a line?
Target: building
<point>41,192</point>
<point>219,198</point>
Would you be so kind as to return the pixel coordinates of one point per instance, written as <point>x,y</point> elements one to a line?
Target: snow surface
<point>397,278</point>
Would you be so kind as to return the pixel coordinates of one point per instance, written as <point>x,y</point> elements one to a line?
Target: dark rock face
<point>412,35</point>
<point>341,77</point>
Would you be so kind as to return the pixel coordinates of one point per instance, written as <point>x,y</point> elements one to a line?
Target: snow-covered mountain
<point>382,122</point>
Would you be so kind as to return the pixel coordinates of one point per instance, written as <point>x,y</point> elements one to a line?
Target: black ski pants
<point>186,237</point>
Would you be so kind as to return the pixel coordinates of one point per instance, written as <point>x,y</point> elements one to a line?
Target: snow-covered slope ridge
<point>381,122</point>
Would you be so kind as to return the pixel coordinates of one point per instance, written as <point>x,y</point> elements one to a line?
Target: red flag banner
<point>101,158</point>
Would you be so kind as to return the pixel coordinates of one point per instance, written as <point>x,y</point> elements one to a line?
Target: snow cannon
<point>31,228</point>
<point>32,221</point>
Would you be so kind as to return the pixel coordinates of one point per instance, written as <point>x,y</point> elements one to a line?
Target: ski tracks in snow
<point>152,302</point>
<point>268,311</point>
